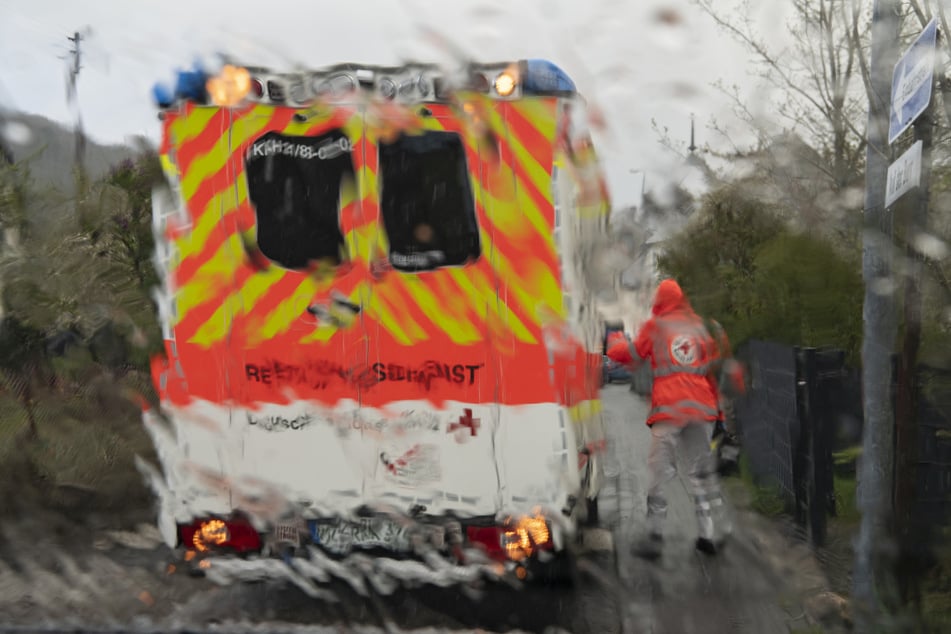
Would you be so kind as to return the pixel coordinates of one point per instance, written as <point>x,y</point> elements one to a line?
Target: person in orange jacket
<point>685,405</point>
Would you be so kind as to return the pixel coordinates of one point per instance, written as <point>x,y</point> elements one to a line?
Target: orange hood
<point>669,297</point>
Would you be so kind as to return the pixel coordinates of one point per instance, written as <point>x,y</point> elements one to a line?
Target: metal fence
<point>933,486</point>
<point>820,377</point>
<point>767,417</point>
<point>804,403</point>
<point>785,426</point>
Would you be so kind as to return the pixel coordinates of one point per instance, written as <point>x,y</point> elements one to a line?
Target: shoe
<point>726,532</point>
<point>726,536</point>
<point>706,546</point>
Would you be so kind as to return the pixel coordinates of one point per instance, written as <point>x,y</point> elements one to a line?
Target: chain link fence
<point>767,418</point>
<point>933,484</point>
<point>803,404</point>
<point>786,425</point>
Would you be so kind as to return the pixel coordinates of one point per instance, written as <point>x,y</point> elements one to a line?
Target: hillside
<point>48,151</point>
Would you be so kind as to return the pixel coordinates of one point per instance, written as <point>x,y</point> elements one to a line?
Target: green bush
<point>741,265</point>
<point>846,504</point>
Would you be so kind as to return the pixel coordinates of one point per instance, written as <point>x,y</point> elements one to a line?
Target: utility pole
<point>71,92</point>
<point>914,225</point>
<point>905,492</point>
<point>873,589</point>
<point>80,142</point>
<point>693,146</point>
<point>75,52</point>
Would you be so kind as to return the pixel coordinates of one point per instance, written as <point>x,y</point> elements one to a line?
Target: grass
<point>837,555</point>
<point>844,486</point>
<point>846,506</point>
<point>765,499</point>
<point>936,590</point>
<point>936,608</point>
<point>936,587</point>
<point>85,443</point>
<point>847,457</point>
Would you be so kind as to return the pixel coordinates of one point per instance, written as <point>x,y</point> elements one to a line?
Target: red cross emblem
<point>397,466</point>
<point>683,350</point>
<point>466,421</point>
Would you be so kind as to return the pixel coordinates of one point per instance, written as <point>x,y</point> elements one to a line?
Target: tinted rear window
<point>427,203</point>
<point>294,184</point>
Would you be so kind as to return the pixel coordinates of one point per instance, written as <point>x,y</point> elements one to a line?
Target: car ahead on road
<point>614,372</point>
<point>372,311</point>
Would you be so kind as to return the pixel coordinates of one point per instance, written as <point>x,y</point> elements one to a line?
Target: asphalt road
<point>54,572</point>
<point>685,591</point>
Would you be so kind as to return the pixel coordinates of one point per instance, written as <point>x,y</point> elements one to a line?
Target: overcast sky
<point>633,65</point>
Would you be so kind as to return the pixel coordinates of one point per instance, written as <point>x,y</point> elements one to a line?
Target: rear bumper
<point>427,549</point>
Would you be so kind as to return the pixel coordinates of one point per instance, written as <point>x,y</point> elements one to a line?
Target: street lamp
<point>643,174</point>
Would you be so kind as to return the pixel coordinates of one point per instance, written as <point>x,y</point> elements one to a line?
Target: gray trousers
<point>693,440</point>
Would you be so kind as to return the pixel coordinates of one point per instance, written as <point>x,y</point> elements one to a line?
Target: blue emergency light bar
<point>415,82</point>
<point>189,86</point>
<point>541,77</point>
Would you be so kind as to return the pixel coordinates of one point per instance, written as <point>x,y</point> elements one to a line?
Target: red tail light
<point>235,534</point>
<point>519,539</point>
<point>488,537</point>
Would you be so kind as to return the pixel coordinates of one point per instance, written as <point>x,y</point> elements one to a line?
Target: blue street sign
<point>911,82</point>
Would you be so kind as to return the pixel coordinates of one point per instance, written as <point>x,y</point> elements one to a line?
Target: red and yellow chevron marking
<point>475,333</point>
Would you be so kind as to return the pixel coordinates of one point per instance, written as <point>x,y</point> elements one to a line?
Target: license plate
<point>342,536</point>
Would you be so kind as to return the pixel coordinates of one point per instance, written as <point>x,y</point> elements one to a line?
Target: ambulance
<point>378,315</point>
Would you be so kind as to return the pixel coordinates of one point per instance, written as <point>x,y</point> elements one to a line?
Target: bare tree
<point>819,80</point>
